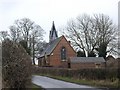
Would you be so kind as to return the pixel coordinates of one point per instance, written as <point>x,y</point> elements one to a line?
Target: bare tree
<point>89,34</point>
<point>4,35</point>
<point>15,33</point>
<point>79,32</point>
<point>28,32</point>
<point>41,46</point>
<point>21,29</point>
<point>36,38</point>
<point>107,34</point>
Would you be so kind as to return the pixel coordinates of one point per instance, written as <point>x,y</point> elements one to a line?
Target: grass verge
<point>35,86</point>
<point>94,83</point>
<point>32,86</point>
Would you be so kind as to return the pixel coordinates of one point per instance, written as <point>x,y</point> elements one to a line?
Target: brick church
<point>59,53</point>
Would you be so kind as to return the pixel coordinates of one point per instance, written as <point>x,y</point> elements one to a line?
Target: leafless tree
<point>91,33</point>
<point>79,32</point>
<point>36,38</point>
<point>27,31</point>
<point>21,29</point>
<point>107,34</point>
<point>4,35</point>
<point>15,33</point>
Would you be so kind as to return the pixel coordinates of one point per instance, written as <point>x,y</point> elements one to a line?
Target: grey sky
<point>43,12</point>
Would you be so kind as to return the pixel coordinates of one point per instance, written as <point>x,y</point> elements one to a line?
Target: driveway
<point>50,84</point>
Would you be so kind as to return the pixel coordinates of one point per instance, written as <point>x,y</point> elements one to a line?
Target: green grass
<point>34,86</point>
<point>95,83</point>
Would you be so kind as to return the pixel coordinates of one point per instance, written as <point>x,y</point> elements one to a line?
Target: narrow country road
<point>49,83</point>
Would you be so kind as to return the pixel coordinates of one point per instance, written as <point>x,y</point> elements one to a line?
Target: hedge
<point>16,65</point>
<point>94,74</point>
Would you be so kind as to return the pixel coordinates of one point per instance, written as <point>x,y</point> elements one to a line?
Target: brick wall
<point>55,59</point>
<point>86,65</point>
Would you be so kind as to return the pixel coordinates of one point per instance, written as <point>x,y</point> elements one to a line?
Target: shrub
<point>93,74</point>
<point>16,65</point>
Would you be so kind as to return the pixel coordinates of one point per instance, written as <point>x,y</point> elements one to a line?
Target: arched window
<point>63,53</point>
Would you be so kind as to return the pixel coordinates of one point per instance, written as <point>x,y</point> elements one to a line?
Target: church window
<point>63,53</point>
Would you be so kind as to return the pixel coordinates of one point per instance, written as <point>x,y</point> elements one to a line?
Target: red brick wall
<point>55,59</point>
<point>42,62</point>
<point>86,65</point>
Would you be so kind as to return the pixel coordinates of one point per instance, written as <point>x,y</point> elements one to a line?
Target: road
<point>49,83</point>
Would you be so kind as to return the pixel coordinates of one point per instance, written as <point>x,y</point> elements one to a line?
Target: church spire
<point>53,33</point>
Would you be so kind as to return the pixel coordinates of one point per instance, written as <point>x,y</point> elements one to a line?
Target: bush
<point>90,74</point>
<point>16,65</point>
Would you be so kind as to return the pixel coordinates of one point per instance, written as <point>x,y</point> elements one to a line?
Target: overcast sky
<point>43,12</point>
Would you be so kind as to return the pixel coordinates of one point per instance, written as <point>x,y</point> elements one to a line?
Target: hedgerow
<point>16,65</point>
<point>93,74</point>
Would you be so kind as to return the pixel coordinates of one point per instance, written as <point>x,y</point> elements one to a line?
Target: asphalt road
<point>50,84</point>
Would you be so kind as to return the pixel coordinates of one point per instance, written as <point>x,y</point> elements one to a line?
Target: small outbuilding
<point>87,62</point>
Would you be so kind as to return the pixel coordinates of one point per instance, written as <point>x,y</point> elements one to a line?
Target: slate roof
<point>86,59</point>
<point>49,48</point>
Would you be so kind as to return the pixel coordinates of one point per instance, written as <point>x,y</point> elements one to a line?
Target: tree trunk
<point>33,50</point>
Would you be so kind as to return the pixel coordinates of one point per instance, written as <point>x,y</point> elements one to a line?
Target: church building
<point>57,52</point>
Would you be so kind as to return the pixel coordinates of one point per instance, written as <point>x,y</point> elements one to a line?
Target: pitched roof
<point>110,57</point>
<point>49,48</point>
<point>86,59</point>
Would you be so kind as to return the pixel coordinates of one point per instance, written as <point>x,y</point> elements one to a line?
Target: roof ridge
<point>87,59</point>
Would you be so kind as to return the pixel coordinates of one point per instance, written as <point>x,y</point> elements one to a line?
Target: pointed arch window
<point>63,53</point>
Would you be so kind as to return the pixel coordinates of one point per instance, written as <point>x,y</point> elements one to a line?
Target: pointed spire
<point>53,26</point>
<point>53,33</point>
